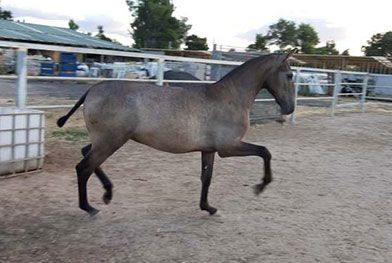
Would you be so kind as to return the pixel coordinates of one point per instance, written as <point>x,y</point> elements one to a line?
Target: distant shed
<point>371,64</point>
<point>41,34</point>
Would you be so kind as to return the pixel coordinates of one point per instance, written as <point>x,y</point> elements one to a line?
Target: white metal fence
<point>334,97</point>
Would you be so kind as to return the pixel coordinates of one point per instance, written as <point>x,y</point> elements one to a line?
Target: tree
<point>5,14</point>
<point>101,34</point>
<point>193,42</point>
<point>283,33</point>
<point>260,43</point>
<point>155,26</point>
<point>328,49</point>
<point>72,25</point>
<point>287,34</point>
<point>379,45</point>
<point>306,38</point>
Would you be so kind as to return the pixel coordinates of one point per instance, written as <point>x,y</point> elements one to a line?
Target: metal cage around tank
<point>21,140</point>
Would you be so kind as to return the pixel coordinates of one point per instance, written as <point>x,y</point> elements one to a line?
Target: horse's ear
<point>288,55</point>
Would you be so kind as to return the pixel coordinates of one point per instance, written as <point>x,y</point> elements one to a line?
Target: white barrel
<point>21,140</point>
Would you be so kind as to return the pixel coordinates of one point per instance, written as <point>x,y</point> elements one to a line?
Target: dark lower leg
<point>83,175</point>
<point>107,184</point>
<point>207,164</point>
<point>266,155</point>
<point>247,149</point>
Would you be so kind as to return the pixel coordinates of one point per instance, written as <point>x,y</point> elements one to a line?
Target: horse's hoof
<point>90,210</point>
<point>107,197</point>
<point>93,211</point>
<point>209,209</point>
<point>258,188</point>
<point>212,210</point>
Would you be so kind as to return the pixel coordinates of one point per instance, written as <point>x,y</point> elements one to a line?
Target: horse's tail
<point>61,121</point>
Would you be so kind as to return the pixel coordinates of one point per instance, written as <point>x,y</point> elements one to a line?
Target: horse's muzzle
<point>287,108</point>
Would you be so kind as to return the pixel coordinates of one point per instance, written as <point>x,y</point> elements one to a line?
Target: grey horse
<point>210,118</point>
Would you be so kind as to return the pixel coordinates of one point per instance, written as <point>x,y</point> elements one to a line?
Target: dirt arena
<point>330,201</point>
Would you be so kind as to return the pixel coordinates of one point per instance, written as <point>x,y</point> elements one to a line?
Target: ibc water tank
<point>21,140</point>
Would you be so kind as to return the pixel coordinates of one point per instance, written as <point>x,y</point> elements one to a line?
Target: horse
<point>208,118</point>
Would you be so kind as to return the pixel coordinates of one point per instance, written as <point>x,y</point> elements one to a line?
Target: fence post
<point>21,70</point>
<point>364,91</point>
<point>296,86</point>
<point>336,90</point>
<point>161,65</point>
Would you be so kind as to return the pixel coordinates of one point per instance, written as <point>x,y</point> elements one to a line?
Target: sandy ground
<point>330,201</point>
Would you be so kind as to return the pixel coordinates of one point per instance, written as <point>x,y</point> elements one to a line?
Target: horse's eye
<point>290,76</point>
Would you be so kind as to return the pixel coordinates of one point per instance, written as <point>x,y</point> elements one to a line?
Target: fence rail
<point>22,77</point>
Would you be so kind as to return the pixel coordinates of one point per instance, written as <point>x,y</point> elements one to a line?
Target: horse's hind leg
<point>247,149</point>
<point>207,164</point>
<point>95,157</point>
<point>84,169</point>
<point>107,184</point>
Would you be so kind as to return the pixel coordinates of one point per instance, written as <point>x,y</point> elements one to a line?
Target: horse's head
<point>280,84</point>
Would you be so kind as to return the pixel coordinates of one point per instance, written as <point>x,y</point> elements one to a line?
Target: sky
<point>224,22</point>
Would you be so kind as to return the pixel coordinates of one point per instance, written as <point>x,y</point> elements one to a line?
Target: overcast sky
<point>225,22</point>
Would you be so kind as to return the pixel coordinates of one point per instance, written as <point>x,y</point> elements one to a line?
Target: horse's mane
<point>252,62</point>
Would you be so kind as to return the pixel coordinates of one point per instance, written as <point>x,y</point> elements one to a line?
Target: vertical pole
<point>13,146</point>
<point>336,90</point>
<point>364,91</point>
<point>161,64</point>
<point>21,70</point>
<point>296,86</point>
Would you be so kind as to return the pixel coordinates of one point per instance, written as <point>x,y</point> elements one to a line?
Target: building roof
<point>372,64</point>
<point>179,53</point>
<point>33,33</point>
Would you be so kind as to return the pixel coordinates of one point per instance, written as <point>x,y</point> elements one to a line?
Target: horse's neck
<point>243,84</point>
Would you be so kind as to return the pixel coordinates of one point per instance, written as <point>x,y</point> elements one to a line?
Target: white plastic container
<point>21,140</point>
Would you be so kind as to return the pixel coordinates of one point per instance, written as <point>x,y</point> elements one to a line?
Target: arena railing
<point>21,76</point>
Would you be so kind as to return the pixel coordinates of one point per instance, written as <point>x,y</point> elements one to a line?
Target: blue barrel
<point>47,68</point>
<point>67,66</point>
<point>67,57</point>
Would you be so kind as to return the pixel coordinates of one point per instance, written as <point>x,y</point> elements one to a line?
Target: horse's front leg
<point>207,164</point>
<point>247,149</point>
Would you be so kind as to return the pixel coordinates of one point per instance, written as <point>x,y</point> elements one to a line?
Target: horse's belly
<point>171,144</point>
<point>172,139</point>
